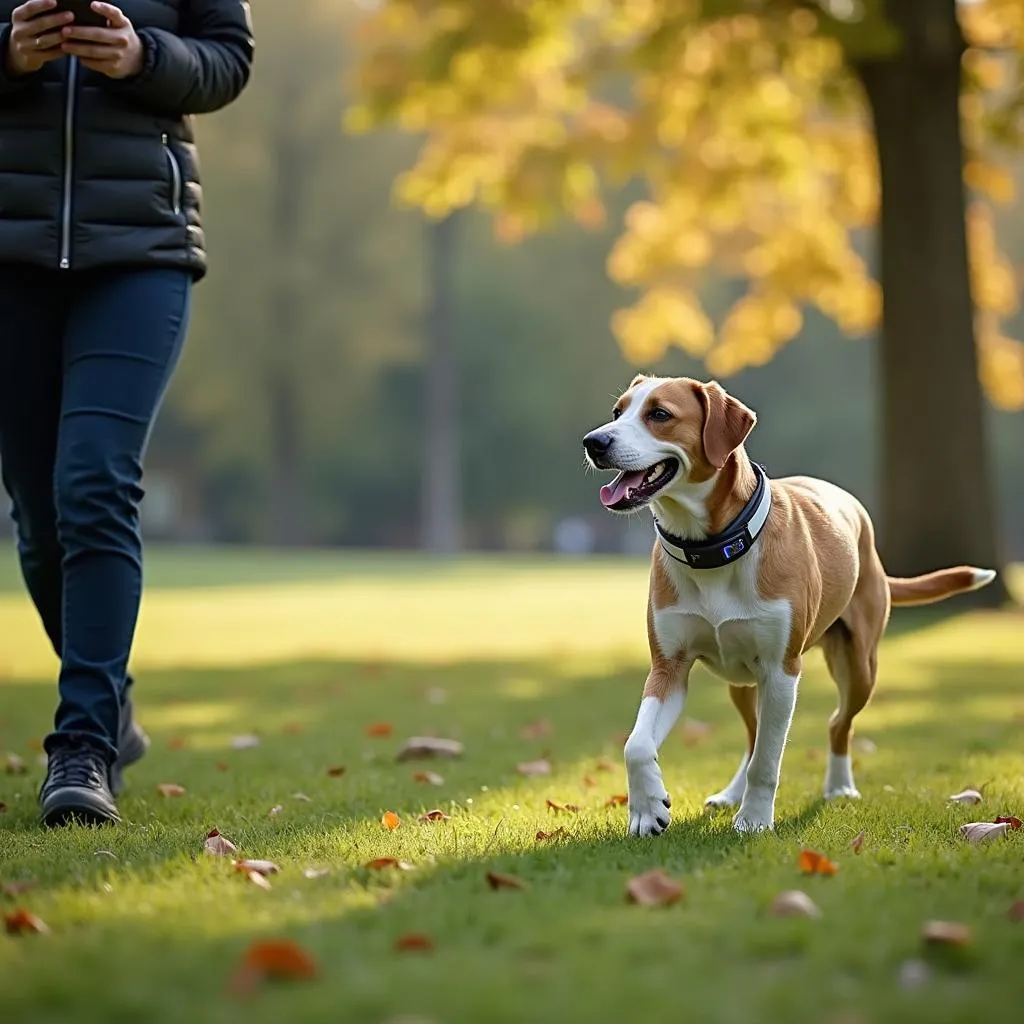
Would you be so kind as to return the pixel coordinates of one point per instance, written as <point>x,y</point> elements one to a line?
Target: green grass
<point>146,927</point>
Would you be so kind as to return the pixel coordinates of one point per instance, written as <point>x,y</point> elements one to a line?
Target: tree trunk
<point>937,495</point>
<point>442,487</point>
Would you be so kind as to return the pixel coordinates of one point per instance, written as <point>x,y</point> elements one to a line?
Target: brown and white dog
<point>747,575</point>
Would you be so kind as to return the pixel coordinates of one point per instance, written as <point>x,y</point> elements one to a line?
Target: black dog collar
<point>733,542</point>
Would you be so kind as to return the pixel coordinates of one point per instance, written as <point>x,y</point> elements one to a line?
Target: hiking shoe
<point>132,745</point>
<point>76,789</point>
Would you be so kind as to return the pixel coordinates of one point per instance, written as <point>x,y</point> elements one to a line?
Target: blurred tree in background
<point>749,125</point>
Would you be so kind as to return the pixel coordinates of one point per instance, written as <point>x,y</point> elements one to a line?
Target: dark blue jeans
<point>85,358</point>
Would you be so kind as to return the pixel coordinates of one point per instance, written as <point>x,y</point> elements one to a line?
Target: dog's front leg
<point>662,704</point>
<point>776,701</point>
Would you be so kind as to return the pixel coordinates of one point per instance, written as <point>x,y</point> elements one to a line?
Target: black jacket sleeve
<point>9,85</point>
<point>201,70</point>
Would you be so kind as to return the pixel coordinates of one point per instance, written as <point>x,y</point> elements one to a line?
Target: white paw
<point>751,823</point>
<point>731,796</point>
<point>648,800</point>
<point>838,792</point>
<point>839,778</point>
<point>756,813</point>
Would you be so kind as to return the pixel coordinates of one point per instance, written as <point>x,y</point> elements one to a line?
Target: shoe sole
<point>75,805</point>
<point>134,749</point>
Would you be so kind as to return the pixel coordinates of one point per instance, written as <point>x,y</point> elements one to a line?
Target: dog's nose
<point>597,443</point>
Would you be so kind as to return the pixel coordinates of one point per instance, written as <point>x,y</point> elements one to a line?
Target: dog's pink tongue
<point>613,493</point>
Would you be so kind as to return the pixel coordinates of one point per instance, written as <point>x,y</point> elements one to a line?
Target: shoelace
<point>76,766</point>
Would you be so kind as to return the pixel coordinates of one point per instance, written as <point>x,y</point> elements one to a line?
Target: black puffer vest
<point>96,172</point>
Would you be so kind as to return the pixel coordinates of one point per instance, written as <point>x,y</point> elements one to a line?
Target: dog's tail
<point>938,585</point>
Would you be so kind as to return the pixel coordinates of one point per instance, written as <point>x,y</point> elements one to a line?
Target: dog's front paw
<point>728,797</point>
<point>841,792</point>
<point>756,813</point>
<point>649,801</point>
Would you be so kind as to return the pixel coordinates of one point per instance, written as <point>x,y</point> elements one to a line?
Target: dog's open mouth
<point>633,488</point>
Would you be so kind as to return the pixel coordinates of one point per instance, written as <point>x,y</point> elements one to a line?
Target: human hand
<point>35,37</point>
<point>114,51</point>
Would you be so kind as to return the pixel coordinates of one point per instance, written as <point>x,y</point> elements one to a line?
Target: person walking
<point>101,241</point>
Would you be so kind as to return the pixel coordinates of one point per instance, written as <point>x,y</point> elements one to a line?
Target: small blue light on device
<point>733,549</point>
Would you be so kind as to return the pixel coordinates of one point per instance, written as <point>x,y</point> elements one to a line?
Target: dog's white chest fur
<point>719,618</point>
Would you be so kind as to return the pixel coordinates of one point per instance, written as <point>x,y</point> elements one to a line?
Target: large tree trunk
<point>937,495</point>
<point>442,457</point>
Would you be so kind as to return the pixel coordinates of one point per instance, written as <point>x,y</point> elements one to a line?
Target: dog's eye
<point>659,415</point>
<point>616,413</point>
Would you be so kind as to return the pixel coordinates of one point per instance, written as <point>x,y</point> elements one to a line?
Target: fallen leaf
<point>434,815</point>
<point>430,778</point>
<point>1016,912</point>
<point>794,903</point>
<point>293,728</point>
<point>170,789</point>
<point>554,805</point>
<point>946,933</point>
<point>544,836</point>
<point>498,881</point>
<point>654,889</point>
<point>414,943</point>
<point>257,879</point>
<point>245,742</point>
<point>336,771</point>
<point>177,743</point>
<point>541,767</point>
<point>418,748</point>
<point>222,766</point>
<point>275,810</point>
<point>16,888</point>
<point>315,872</point>
<point>814,863</point>
<point>588,782</point>
<point>1009,819</point>
<point>261,867</point>
<point>983,831</point>
<point>15,765</point>
<point>618,800</point>
<point>604,764</point>
<point>379,730</point>
<point>968,796</point>
<point>20,922</point>
<point>279,959</point>
<point>390,821</point>
<point>857,843</point>
<point>379,863</point>
<point>218,845</point>
<point>694,731</point>
<point>864,745</point>
<point>534,730</point>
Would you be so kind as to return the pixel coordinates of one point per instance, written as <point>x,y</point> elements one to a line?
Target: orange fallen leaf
<point>794,903</point>
<point>498,881</point>
<point>279,959</point>
<point>170,789</point>
<point>618,800</point>
<point>15,765</point>
<point>379,730</point>
<point>261,867</point>
<point>554,805</point>
<point>544,836</point>
<point>430,778</point>
<point>604,764</point>
<point>539,767</point>
<point>222,766</point>
<point>177,743</point>
<point>588,782</point>
<point>814,863</point>
<point>654,889</point>
<point>1016,912</point>
<point>218,845</point>
<point>16,888</point>
<point>857,843</point>
<point>390,821</point>
<point>534,730</point>
<point>21,922</point>
<point>1009,819</point>
<point>946,933</point>
<point>414,942</point>
<point>421,748</point>
<point>434,815</point>
<point>336,771</point>
<point>293,728</point>
<point>380,863</point>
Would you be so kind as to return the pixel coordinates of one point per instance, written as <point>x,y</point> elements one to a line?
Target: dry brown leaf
<point>15,764</point>
<point>170,789</point>
<point>278,959</point>
<point>414,942</point>
<point>246,741</point>
<point>618,800</point>
<point>983,831</point>
<point>604,764</point>
<point>258,879</point>
<point>946,933</point>
<point>499,881</point>
<point>557,808</point>
<point>434,815</point>
<point>336,771</point>
<point>1016,912</point>
<point>794,903</point>
<point>261,867</point>
<point>16,888</point>
<point>534,730</point>
<point>390,821</point>
<point>694,731</point>
<point>542,836</point>
<point>430,778</point>
<point>539,767</point>
<point>967,796</point>
<point>857,843</point>
<point>21,922</point>
<point>380,863</point>
<point>177,743</point>
<point>379,730</point>
<point>421,748</point>
<point>222,766</point>
<point>814,863</point>
<point>588,782</point>
<point>1009,819</point>
<point>218,845</point>
<point>654,889</point>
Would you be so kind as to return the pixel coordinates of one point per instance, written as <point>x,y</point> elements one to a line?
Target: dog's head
<point>665,435</point>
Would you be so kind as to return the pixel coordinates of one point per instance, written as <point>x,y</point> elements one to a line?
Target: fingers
<point>99,36</point>
<point>30,10</point>
<point>114,15</point>
<point>89,51</point>
<point>47,25</point>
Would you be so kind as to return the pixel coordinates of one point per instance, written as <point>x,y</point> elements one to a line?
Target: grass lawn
<point>146,927</point>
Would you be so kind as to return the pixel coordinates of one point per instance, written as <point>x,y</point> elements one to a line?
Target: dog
<point>747,575</point>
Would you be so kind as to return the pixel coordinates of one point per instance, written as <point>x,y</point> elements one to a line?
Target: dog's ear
<point>727,422</point>
<point>638,379</point>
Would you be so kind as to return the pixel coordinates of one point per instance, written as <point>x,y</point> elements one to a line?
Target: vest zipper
<point>69,160</point>
<point>176,188</point>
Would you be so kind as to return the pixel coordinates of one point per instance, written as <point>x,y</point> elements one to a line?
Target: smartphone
<point>84,14</point>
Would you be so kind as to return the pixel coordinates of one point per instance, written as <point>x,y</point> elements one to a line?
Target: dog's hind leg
<point>745,699</point>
